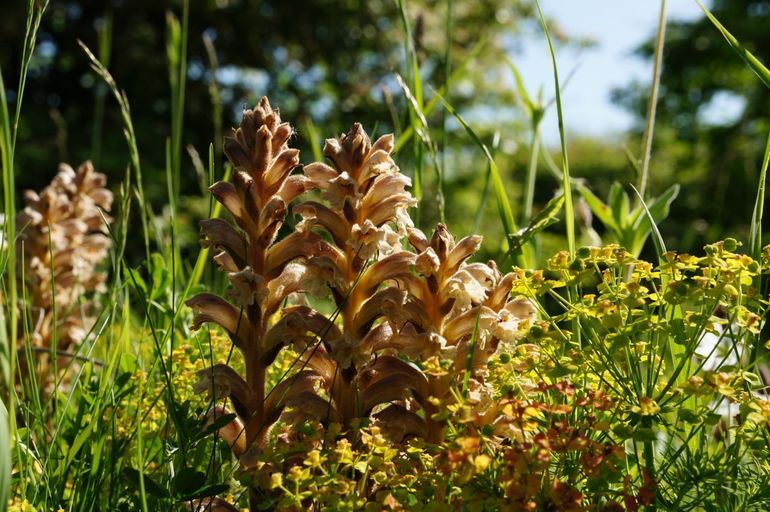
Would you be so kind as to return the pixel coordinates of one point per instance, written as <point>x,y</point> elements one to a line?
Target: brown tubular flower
<point>448,301</point>
<point>62,243</point>
<point>259,269</point>
<point>364,216</point>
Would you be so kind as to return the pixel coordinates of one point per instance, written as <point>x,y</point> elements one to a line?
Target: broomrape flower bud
<point>62,243</point>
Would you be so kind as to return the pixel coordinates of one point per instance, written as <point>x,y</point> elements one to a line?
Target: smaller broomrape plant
<point>62,243</point>
<point>457,312</point>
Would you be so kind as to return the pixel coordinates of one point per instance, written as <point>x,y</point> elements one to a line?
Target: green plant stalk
<point>528,250</point>
<point>172,209</point>
<point>8,137</point>
<point>140,464</point>
<point>100,92</point>
<point>415,85</point>
<point>130,136</point>
<point>408,132</point>
<point>649,454</point>
<point>216,98</point>
<point>529,183</point>
<point>569,211</point>
<point>755,241</point>
<point>469,356</point>
<point>653,102</point>
<point>447,73</point>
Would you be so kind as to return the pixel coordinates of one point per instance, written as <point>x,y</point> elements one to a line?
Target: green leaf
<point>756,66</point>
<point>546,217</point>
<point>644,434</point>
<point>660,206</point>
<point>132,475</point>
<point>161,277</point>
<point>660,246</point>
<point>688,416</point>
<point>205,492</point>
<point>658,211</point>
<point>503,206</point>
<point>597,206</point>
<point>755,239</point>
<point>136,280</point>
<point>618,202</point>
<point>5,457</point>
<point>188,481</point>
<point>521,90</point>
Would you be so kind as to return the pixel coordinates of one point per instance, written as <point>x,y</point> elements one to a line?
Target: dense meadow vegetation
<point>371,293</point>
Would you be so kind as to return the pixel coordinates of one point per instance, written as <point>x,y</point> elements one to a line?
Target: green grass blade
<point>503,206</point>
<point>431,105</point>
<point>313,138</point>
<point>755,240</point>
<point>130,136</point>
<point>8,136</point>
<point>569,210</point>
<point>657,239</point>
<point>754,63</point>
<point>423,133</point>
<point>5,457</point>
<point>176,49</point>
<point>447,73</point>
<point>215,95</point>
<point>521,90</point>
<point>546,217</point>
<point>485,191</point>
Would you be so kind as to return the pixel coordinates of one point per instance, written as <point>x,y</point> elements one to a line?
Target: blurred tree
<point>712,124</point>
<point>325,60</point>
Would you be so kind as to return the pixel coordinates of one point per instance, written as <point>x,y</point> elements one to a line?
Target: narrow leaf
<point>754,63</point>
<point>546,217</point>
<point>660,245</point>
<point>755,243</point>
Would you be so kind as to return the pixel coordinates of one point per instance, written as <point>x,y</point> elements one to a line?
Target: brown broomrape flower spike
<point>365,216</point>
<point>448,301</point>
<point>259,269</point>
<point>62,243</point>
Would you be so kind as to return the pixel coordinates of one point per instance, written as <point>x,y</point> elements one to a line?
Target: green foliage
<point>721,157</point>
<point>630,227</point>
<point>635,385</point>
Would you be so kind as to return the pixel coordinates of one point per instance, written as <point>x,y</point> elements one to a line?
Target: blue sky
<point>618,27</point>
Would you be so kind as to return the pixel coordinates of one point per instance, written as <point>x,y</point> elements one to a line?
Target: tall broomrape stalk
<point>63,241</point>
<point>259,269</point>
